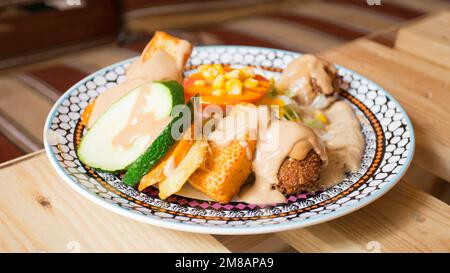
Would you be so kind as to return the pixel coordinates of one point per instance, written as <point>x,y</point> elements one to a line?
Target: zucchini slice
<point>96,147</point>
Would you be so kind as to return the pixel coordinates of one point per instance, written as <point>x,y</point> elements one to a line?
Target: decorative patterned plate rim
<point>257,229</point>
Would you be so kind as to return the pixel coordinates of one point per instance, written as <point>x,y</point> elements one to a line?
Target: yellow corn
<point>250,83</point>
<point>218,92</point>
<point>233,74</point>
<point>218,82</point>
<point>203,67</point>
<point>199,83</point>
<point>219,68</point>
<point>233,86</point>
<point>209,74</point>
<point>247,72</point>
<point>321,117</point>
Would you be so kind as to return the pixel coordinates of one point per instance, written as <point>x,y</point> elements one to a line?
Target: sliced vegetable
<point>153,154</point>
<point>178,176</point>
<point>86,115</point>
<point>96,147</point>
<point>223,85</point>
<point>175,156</point>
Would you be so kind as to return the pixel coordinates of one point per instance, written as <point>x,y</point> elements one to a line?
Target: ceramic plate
<point>386,128</point>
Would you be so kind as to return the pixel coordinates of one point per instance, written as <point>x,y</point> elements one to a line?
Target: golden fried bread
<point>226,170</point>
<point>179,49</point>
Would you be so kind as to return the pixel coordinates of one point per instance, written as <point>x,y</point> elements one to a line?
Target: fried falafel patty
<point>334,77</point>
<point>297,175</point>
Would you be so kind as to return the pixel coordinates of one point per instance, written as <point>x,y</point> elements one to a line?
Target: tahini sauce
<point>298,75</point>
<point>344,144</point>
<point>277,144</point>
<point>161,66</point>
<point>142,126</point>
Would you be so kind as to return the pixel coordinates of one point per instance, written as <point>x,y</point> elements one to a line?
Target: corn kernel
<point>203,67</point>
<point>233,86</point>
<point>199,83</point>
<point>219,68</point>
<point>250,83</point>
<point>247,72</point>
<point>218,82</point>
<point>233,74</point>
<point>218,92</point>
<point>209,74</point>
<point>321,117</point>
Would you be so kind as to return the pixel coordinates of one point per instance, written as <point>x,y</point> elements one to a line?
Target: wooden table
<point>39,212</point>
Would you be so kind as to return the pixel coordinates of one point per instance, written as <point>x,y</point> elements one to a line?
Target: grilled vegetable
<point>178,176</point>
<point>153,154</point>
<point>174,157</point>
<point>96,148</point>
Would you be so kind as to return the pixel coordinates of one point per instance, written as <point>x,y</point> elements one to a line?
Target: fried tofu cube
<point>226,170</point>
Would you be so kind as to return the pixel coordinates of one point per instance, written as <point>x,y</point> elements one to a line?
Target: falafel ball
<point>297,175</point>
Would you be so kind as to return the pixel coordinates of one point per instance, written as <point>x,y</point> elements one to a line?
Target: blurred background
<point>48,45</point>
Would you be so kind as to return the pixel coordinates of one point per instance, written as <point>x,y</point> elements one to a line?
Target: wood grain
<point>15,101</point>
<point>429,39</point>
<point>404,220</point>
<point>420,86</point>
<point>41,213</point>
<point>92,60</point>
<point>287,35</point>
<point>339,14</point>
<point>259,243</point>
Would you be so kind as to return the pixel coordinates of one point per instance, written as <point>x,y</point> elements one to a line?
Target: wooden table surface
<point>41,213</point>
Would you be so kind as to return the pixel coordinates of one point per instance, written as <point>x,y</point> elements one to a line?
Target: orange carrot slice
<point>157,175</point>
<point>86,115</point>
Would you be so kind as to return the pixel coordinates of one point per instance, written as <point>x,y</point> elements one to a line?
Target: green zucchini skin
<point>157,150</point>
<point>94,149</point>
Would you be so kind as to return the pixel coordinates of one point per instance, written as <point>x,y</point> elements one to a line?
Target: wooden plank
<point>287,35</point>
<point>354,17</point>
<point>15,101</point>
<point>429,39</point>
<point>259,243</point>
<point>404,220</point>
<point>420,86</point>
<point>94,59</point>
<point>41,213</point>
<point>20,159</point>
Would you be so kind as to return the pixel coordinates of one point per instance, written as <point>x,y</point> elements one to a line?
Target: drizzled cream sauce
<point>342,150</point>
<point>161,66</point>
<point>298,75</point>
<point>271,151</point>
<point>241,124</point>
<point>344,144</point>
<point>141,126</point>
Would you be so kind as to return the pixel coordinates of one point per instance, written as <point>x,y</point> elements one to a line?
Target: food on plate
<point>178,175</point>
<point>129,125</point>
<point>296,175</point>
<point>229,161</point>
<point>122,133</point>
<point>171,160</point>
<point>163,59</point>
<point>224,85</point>
<point>268,138</point>
<point>310,81</point>
<point>271,151</point>
<point>344,141</point>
